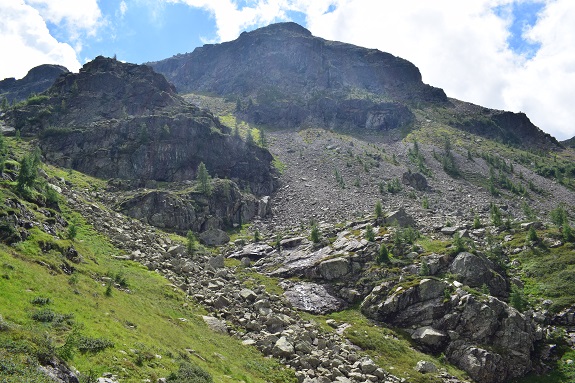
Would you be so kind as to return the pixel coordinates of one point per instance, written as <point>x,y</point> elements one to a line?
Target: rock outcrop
<point>37,80</point>
<point>482,335</point>
<point>117,120</point>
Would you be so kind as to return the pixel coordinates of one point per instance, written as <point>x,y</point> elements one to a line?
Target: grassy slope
<point>153,326</point>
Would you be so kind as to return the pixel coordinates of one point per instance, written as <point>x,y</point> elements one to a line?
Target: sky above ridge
<point>516,55</point>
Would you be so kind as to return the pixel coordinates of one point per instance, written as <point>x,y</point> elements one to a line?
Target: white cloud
<point>26,42</point>
<point>78,16</point>
<point>123,8</point>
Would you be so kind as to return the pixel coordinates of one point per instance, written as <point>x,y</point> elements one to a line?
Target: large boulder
<point>415,180</point>
<point>312,298</point>
<point>334,268</point>
<point>476,271</point>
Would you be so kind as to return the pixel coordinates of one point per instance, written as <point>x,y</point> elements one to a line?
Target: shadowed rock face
<point>286,76</point>
<point>281,75</point>
<point>37,80</point>
<point>117,120</point>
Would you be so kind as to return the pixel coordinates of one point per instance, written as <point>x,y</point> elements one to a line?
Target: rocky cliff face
<point>37,80</point>
<point>116,120</point>
<point>282,75</point>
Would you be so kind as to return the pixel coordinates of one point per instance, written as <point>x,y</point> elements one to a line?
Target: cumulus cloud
<point>26,42</point>
<point>78,16</point>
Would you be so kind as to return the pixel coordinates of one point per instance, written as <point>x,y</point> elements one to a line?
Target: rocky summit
<point>279,208</point>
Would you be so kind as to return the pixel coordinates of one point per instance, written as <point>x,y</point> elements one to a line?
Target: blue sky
<point>507,54</point>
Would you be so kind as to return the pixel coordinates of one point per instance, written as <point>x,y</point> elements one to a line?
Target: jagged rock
<point>214,237</point>
<point>415,180</point>
<point>217,262</point>
<point>334,268</point>
<point>37,80</point>
<point>326,71</point>
<point>119,120</point>
<point>400,217</point>
<point>476,271</point>
<point>215,324</point>
<point>283,348</point>
<point>425,367</point>
<point>248,294</point>
<point>474,326</point>
<point>313,298</point>
<point>429,337</point>
<point>289,243</point>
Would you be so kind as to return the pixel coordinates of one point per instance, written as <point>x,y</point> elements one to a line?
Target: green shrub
<point>495,213</point>
<point>93,345</point>
<point>378,210</point>
<point>532,235</point>
<point>44,316</point>
<point>382,255</point>
<point>369,233</point>
<point>558,215</point>
<point>425,203</point>
<point>517,299</point>
<point>36,99</point>
<point>393,186</point>
<point>315,234</point>
<point>190,373</point>
<point>424,269</point>
<point>41,301</point>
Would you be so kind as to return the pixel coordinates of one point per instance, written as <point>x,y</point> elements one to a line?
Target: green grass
<point>140,329</point>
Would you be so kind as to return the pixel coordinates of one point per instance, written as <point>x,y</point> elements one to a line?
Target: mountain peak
<point>288,28</point>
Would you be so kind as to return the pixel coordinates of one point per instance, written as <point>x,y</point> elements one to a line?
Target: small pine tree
<point>495,213</point>
<point>109,286</point>
<point>517,299</point>
<point>315,234</point>
<point>425,203</point>
<point>567,232</point>
<point>558,215</point>
<point>28,171</point>
<point>257,236</point>
<point>72,231</point>
<point>532,235</point>
<point>263,140</point>
<point>3,152</point>
<point>424,269</point>
<point>204,177</point>
<point>378,210</point>
<point>382,255</point>
<point>369,233</point>
<point>458,244</point>
<point>476,222</point>
<point>250,137</point>
<point>4,105</point>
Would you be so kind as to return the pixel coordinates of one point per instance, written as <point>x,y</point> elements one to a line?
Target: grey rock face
<point>476,271</point>
<point>415,180</point>
<point>214,237</point>
<point>253,66</point>
<point>482,335</point>
<point>313,298</point>
<point>118,120</point>
<point>334,268</point>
